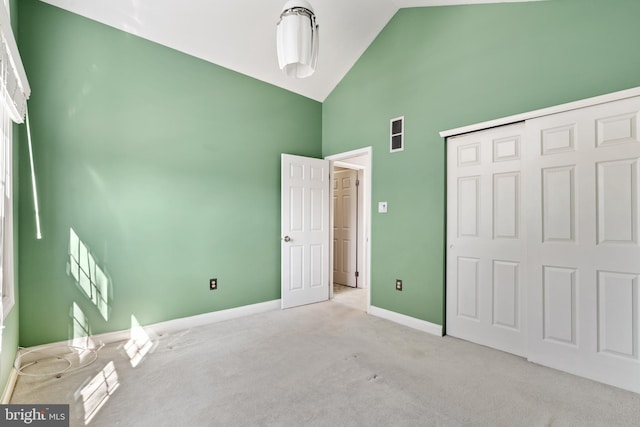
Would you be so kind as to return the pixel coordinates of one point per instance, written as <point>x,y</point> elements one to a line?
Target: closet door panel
<point>583,258</point>
<point>485,239</point>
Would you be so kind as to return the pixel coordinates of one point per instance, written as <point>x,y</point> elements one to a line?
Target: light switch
<point>382,207</point>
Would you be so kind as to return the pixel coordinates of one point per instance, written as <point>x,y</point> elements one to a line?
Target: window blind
<point>14,87</point>
<point>14,92</point>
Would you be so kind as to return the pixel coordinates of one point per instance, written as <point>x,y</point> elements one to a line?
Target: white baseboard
<point>8,389</point>
<point>214,317</point>
<point>412,322</point>
<point>162,328</point>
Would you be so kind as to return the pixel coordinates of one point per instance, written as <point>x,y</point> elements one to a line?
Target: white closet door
<point>584,254</point>
<point>485,239</point>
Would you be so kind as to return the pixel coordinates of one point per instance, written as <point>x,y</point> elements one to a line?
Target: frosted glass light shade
<point>297,39</point>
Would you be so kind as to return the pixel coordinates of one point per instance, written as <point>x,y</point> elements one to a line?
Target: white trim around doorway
<point>342,160</point>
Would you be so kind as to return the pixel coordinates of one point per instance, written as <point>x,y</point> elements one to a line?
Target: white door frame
<point>342,159</point>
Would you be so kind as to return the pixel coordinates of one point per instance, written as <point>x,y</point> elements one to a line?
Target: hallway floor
<point>349,296</point>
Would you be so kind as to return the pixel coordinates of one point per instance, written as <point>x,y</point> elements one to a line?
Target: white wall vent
<point>396,130</point>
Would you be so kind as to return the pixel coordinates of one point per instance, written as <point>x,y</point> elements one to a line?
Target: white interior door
<point>584,248</point>
<point>305,230</point>
<point>485,242</point>
<point>345,226</point>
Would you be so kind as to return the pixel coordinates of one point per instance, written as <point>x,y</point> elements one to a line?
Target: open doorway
<point>347,212</point>
<point>350,200</point>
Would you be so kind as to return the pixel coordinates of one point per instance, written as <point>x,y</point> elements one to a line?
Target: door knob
<point>286,238</point>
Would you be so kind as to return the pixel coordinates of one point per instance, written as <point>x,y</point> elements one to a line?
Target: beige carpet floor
<point>351,297</point>
<point>325,364</point>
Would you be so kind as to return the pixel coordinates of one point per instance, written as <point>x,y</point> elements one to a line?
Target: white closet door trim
<point>615,96</point>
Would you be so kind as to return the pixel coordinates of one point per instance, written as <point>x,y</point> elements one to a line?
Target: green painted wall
<point>165,166</point>
<point>446,67</point>
<point>10,340</point>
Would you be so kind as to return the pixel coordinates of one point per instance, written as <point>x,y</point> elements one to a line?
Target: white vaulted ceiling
<point>240,34</point>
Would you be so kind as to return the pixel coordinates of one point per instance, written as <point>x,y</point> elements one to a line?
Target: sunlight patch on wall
<point>139,344</point>
<point>80,328</point>
<point>80,337</point>
<point>88,275</point>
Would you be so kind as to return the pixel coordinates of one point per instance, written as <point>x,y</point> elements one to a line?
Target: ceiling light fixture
<point>297,39</point>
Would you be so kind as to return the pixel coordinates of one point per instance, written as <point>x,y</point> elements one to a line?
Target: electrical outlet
<point>213,284</point>
<point>398,285</point>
